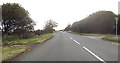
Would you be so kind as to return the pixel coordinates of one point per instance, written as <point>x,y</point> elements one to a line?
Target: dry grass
<point>9,52</point>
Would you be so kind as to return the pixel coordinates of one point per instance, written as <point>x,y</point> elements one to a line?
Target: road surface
<point>71,47</point>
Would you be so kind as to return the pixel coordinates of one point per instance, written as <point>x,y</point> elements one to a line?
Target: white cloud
<point>63,11</point>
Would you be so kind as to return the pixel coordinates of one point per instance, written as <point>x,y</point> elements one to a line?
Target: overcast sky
<point>63,11</point>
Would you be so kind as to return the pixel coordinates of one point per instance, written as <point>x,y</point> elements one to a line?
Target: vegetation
<point>9,52</point>
<point>101,22</point>
<point>55,31</point>
<point>6,37</point>
<point>33,40</point>
<point>39,32</point>
<point>50,24</point>
<point>16,20</point>
<point>18,30</point>
<point>111,39</point>
<point>119,25</point>
<point>18,25</point>
<point>68,27</point>
<point>107,36</point>
<point>13,48</point>
<point>87,34</point>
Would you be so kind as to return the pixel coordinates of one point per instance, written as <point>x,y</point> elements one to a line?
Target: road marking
<point>76,41</point>
<point>115,43</point>
<point>71,38</point>
<point>89,50</point>
<point>94,54</point>
<point>92,37</point>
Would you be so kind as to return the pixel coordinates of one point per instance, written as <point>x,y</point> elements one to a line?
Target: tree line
<point>102,22</point>
<point>17,21</point>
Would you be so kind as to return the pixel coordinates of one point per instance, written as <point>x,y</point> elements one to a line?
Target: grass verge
<point>33,40</point>
<point>9,52</point>
<point>55,31</point>
<point>107,36</point>
<point>12,49</point>
<point>111,39</point>
<point>86,34</point>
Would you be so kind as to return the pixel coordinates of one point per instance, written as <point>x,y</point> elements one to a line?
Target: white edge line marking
<point>94,54</point>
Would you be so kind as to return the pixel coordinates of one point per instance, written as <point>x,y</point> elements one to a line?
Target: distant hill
<point>99,22</point>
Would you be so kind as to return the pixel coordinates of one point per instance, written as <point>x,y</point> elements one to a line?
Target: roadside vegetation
<point>56,31</point>
<point>111,39</point>
<point>101,22</point>
<point>18,32</point>
<point>33,40</point>
<point>96,24</point>
<point>9,52</point>
<point>12,49</point>
<point>107,36</point>
<point>87,34</point>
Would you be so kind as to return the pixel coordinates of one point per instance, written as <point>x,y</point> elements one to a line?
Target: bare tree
<point>68,27</point>
<point>49,25</point>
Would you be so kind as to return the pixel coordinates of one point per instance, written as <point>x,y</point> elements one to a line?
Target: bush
<point>28,35</point>
<point>32,40</point>
<point>10,37</point>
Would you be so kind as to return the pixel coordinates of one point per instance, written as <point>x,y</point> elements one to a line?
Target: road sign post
<point>116,19</point>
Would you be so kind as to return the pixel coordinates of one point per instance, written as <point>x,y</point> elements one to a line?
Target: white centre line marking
<point>89,51</point>
<point>94,54</point>
<point>71,38</point>
<point>76,42</point>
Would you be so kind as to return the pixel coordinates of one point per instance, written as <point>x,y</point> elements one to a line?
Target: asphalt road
<point>71,47</point>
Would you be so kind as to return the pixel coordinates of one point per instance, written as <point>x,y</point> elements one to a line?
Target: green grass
<point>55,31</point>
<point>107,36</point>
<point>33,40</point>
<point>12,51</point>
<point>86,34</point>
<point>10,37</point>
<point>111,39</point>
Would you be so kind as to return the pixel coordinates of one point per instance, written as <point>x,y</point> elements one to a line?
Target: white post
<point>116,28</point>
<point>116,19</point>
